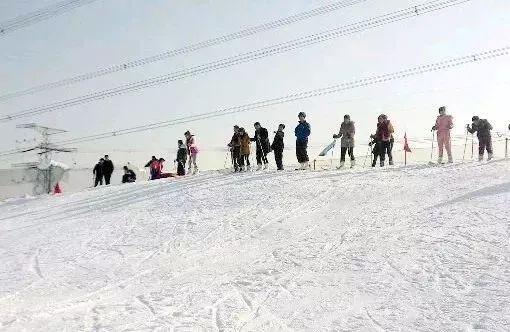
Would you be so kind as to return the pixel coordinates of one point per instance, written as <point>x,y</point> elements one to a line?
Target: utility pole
<point>44,169</point>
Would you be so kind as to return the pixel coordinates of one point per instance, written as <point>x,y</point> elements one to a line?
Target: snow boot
<point>341,165</point>
<point>391,162</point>
<point>490,156</point>
<point>480,157</point>
<point>382,163</point>
<point>353,163</point>
<point>259,167</point>
<point>440,160</point>
<point>195,170</point>
<point>266,166</point>
<point>450,160</point>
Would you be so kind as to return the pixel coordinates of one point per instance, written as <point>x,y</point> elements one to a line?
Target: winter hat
<point>442,109</point>
<point>282,125</point>
<point>475,118</point>
<point>125,168</point>
<point>180,142</point>
<point>256,123</point>
<point>347,116</point>
<point>236,127</point>
<point>302,114</point>
<point>187,133</point>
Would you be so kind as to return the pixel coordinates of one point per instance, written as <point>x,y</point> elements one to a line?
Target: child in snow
<point>129,175</point>
<point>483,128</point>
<point>278,146</point>
<point>346,132</point>
<point>302,132</point>
<point>444,123</point>
<point>181,158</point>
<point>98,173</point>
<point>245,150</point>
<point>192,152</point>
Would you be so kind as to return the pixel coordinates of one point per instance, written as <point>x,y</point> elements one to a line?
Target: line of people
<point>381,144</point>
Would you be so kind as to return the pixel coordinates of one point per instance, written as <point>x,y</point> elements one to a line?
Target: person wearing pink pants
<point>444,123</point>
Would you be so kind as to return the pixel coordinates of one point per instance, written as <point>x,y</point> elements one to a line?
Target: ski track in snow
<point>397,249</point>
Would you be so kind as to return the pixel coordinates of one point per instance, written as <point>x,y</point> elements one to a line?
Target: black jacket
<point>262,140</point>
<point>182,155</point>
<point>130,176</point>
<point>98,170</point>
<point>483,129</point>
<point>278,141</point>
<point>107,167</point>
<point>235,142</point>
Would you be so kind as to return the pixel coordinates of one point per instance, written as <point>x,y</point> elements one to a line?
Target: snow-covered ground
<point>398,249</point>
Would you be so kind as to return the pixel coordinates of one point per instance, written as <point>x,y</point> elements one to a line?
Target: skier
<point>98,173</point>
<point>302,132</point>
<point>278,146</point>
<point>107,169</point>
<point>129,176</point>
<point>149,164</point>
<point>235,148</point>
<point>262,141</point>
<point>382,139</point>
<point>483,128</point>
<point>444,123</point>
<point>192,152</point>
<point>245,140</point>
<point>181,158</point>
<point>346,133</point>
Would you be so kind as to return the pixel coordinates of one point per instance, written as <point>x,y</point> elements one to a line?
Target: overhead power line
<point>400,15</point>
<point>40,15</point>
<point>187,49</point>
<point>415,71</point>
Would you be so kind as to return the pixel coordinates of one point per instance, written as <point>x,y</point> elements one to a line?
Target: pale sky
<point>109,32</point>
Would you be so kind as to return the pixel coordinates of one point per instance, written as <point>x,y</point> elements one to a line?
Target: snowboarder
<point>263,146</point>
<point>244,163</point>
<point>98,173</point>
<point>278,146</point>
<point>444,123</point>
<point>346,133</point>
<point>235,148</point>
<point>151,169</point>
<point>382,139</point>
<point>181,158</point>
<point>129,176</point>
<point>107,169</point>
<point>192,152</point>
<point>302,132</point>
<point>483,128</point>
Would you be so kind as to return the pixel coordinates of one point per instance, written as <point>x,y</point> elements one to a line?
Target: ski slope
<point>397,249</point>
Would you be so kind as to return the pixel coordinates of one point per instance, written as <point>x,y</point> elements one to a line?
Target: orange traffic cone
<point>57,189</point>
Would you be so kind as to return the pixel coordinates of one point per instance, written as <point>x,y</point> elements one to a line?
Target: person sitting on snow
<point>129,176</point>
<point>483,128</point>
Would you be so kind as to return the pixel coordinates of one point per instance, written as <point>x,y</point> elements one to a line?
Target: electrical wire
<point>40,15</point>
<point>187,49</point>
<point>407,13</point>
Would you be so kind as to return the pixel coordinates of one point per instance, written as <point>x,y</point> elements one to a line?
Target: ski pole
<point>432,150</point>
<point>465,146</point>
<point>472,146</point>
<point>366,157</point>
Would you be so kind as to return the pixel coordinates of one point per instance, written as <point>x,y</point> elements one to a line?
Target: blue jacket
<point>302,131</point>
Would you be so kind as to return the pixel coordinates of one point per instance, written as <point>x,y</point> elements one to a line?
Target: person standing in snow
<point>129,175</point>
<point>235,148</point>
<point>278,146</point>
<point>346,133</point>
<point>382,139</point>
<point>181,158</point>
<point>444,123</point>
<point>262,142</point>
<point>302,133</point>
<point>98,173</point>
<point>245,139</point>
<point>483,128</point>
<point>107,169</point>
<point>192,152</point>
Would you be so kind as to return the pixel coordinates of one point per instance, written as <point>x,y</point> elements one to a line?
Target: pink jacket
<point>444,123</point>
<point>192,146</point>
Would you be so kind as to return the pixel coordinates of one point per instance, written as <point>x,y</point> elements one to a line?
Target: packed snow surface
<point>421,248</point>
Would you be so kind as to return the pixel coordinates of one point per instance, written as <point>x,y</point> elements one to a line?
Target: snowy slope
<point>404,249</point>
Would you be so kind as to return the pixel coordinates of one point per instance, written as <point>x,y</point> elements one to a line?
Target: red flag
<point>406,145</point>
